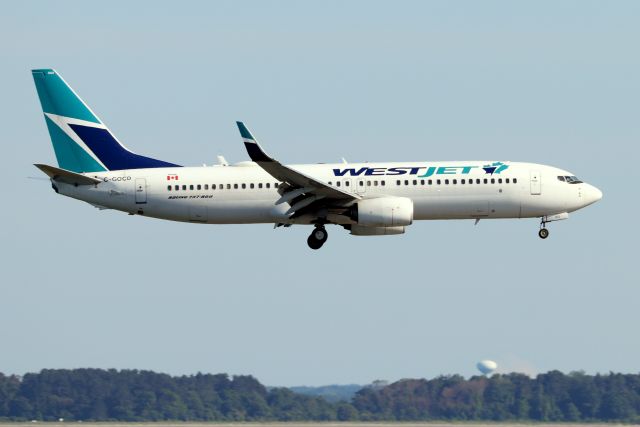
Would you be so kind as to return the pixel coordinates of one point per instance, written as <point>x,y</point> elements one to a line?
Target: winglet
<point>244,132</point>
<point>256,153</point>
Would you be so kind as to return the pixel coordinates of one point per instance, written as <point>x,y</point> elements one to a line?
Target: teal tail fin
<point>82,143</point>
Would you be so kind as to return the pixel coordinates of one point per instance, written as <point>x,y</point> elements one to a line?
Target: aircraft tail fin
<point>82,143</point>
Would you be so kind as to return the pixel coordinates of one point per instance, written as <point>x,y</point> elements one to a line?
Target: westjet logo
<point>421,171</point>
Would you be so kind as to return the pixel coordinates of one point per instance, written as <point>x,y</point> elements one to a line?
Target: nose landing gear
<point>317,237</point>
<point>543,233</point>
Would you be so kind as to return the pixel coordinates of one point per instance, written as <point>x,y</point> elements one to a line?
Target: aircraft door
<point>536,186</point>
<point>361,186</point>
<point>141,191</point>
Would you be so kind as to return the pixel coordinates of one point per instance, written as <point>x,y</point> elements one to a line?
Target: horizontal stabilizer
<point>68,177</point>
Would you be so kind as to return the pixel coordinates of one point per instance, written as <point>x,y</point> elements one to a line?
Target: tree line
<point>132,395</point>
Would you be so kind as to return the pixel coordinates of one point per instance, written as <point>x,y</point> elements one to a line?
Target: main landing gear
<point>543,233</point>
<point>317,237</point>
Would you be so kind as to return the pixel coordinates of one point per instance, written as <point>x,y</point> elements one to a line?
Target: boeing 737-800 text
<point>368,199</point>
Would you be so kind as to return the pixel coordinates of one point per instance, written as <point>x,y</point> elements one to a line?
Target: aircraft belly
<point>445,207</point>
<point>242,212</point>
<point>100,195</point>
<point>535,206</point>
<point>463,207</point>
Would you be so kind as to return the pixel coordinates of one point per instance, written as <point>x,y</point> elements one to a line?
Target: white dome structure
<point>487,367</point>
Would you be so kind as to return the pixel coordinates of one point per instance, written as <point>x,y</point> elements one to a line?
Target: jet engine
<point>383,212</point>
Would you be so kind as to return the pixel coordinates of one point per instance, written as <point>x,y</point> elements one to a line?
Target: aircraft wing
<point>301,189</point>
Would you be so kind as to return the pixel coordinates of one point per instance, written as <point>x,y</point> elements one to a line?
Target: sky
<point>552,82</point>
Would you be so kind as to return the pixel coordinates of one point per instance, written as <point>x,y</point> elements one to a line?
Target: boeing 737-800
<point>368,199</point>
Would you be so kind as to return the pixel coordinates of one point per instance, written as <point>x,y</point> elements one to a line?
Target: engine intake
<point>383,212</point>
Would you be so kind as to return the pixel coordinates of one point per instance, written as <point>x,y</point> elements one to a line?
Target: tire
<point>313,243</point>
<point>543,233</point>
<point>320,234</point>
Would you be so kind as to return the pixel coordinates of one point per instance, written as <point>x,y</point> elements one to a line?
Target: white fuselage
<point>245,193</point>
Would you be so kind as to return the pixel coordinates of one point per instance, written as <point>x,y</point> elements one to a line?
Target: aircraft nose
<point>592,194</point>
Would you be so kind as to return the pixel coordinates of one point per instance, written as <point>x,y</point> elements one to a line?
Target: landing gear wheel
<point>313,243</point>
<point>320,234</point>
<point>317,238</point>
<point>543,233</point>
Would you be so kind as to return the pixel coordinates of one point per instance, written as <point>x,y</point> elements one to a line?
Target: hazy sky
<point>550,82</point>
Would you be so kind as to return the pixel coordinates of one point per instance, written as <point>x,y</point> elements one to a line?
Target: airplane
<point>367,199</point>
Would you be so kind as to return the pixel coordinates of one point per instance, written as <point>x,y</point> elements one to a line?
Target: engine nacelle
<point>361,230</point>
<point>383,212</point>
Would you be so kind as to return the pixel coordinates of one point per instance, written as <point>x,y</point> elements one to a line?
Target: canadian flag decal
<point>172,177</point>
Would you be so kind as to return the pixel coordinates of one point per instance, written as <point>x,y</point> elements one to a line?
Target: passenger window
<point>438,181</point>
<point>346,183</point>
<point>244,186</point>
<point>470,181</point>
<point>375,183</point>
<point>430,182</point>
<point>177,187</point>
<point>191,187</point>
<point>206,186</point>
<point>228,186</point>
<point>462,181</point>
<point>213,186</point>
<point>478,180</point>
<point>361,183</point>
<point>259,185</point>
<point>383,183</point>
<point>455,181</point>
<point>515,180</point>
<point>446,182</point>
<point>275,185</point>
<point>368,183</point>
<point>398,182</point>
<point>422,182</point>
<point>251,185</point>
<point>507,180</point>
<point>415,182</point>
<point>184,187</point>
<point>329,183</point>
<point>338,183</point>
<point>406,182</point>
<point>169,187</point>
<point>499,180</point>
<point>268,185</point>
<point>199,187</point>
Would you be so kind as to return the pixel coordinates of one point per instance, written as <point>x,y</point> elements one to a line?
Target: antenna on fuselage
<point>222,161</point>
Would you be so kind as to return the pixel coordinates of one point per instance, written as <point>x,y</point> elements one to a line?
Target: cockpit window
<point>572,180</point>
<point>561,178</point>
